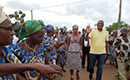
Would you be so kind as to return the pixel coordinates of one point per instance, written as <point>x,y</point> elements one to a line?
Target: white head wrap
<point>3,15</point>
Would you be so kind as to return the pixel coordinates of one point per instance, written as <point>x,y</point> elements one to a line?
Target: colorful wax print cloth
<point>8,57</point>
<point>30,57</point>
<point>61,50</point>
<point>52,55</point>
<point>122,48</point>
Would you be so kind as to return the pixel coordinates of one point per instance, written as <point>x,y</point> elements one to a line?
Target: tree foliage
<point>59,28</point>
<point>114,26</point>
<point>18,16</point>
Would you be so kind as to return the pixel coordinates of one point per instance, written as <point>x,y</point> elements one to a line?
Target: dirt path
<point>109,72</point>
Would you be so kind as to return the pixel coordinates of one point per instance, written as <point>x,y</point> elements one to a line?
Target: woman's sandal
<point>77,75</point>
<point>71,77</point>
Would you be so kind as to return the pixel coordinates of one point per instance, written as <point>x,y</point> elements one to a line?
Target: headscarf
<point>63,30</point>
<point>29,27</point>
<point>49,28</point>
<point>3,15</point>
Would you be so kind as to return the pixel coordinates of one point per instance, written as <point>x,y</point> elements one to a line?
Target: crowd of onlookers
<point>31,50</point>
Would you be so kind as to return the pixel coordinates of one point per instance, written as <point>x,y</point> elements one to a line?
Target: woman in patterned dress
<point>74,52</point>
<point>61,50</point>
<point>31,50</point>
<point>51,51</point>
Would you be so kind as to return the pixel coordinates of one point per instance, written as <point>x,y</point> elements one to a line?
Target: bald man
<point>99,48</point>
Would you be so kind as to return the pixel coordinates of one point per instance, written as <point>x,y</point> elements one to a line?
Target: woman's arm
<point>11,68</point>
<point>68,43</point>
<point>81,47</point>
<point>58,43</point>
<point>67,47</point>
<point>44,70</point>
<point>81,42</point>
<point>46,58</point>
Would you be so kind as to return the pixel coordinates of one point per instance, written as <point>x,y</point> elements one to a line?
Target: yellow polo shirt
<point>98,41</point>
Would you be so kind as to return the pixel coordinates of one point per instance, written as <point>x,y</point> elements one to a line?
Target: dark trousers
<point>101,59</point>
<point>85,52</point>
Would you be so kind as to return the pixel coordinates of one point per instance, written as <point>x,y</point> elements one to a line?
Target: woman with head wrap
<point>74,52</point>
<point>9,63</point>
<point>53,45</point>
<point>31,50</point>
<point>62,49</point>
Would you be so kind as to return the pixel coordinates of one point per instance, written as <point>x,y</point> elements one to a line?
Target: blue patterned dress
<point>61,50</point>
<point>51,53</point>
<point>30,57</point>
<point>8,57</point>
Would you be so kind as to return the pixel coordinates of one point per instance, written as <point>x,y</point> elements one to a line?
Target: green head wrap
<point>29,27</point>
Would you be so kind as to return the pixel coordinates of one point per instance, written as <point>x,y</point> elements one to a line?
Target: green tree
<point>18,15</point>
<point>95,24</point>
<point>65,28</point>
<point>59,28</point>
<point>70,31</point>
<point>114,26</point>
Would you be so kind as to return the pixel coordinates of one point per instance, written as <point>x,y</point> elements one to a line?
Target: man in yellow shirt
<point>99,48</point>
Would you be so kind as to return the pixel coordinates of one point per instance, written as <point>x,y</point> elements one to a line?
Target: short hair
<point>101,20</point>
<point>123,28</point>
<point>75,26</point>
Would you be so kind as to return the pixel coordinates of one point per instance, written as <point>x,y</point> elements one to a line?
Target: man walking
<point>99,48</point>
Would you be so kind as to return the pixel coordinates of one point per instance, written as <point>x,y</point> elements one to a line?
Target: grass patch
<point>58,77</point>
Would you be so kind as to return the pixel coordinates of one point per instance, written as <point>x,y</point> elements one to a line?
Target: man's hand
<point>106,55</point>
<point>88,30</point>
<point>47,70</point>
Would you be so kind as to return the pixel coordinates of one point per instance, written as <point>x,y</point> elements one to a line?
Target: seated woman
<point>31,50</point>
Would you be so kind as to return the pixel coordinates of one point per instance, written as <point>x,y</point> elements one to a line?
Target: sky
<point>67,13</point>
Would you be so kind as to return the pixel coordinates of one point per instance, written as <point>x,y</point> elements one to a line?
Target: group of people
<point>34,54</point>
<point>27,59</point>
<point>35,49</point>
<point>105,46</point>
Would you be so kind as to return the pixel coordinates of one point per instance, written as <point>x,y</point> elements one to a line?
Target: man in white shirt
<point>86,49</point>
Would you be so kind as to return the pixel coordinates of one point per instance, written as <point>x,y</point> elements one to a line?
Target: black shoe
<point>90,76</point>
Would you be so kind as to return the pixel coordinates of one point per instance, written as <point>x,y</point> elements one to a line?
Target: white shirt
<point>86,42</point>
<point>15,39</point>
